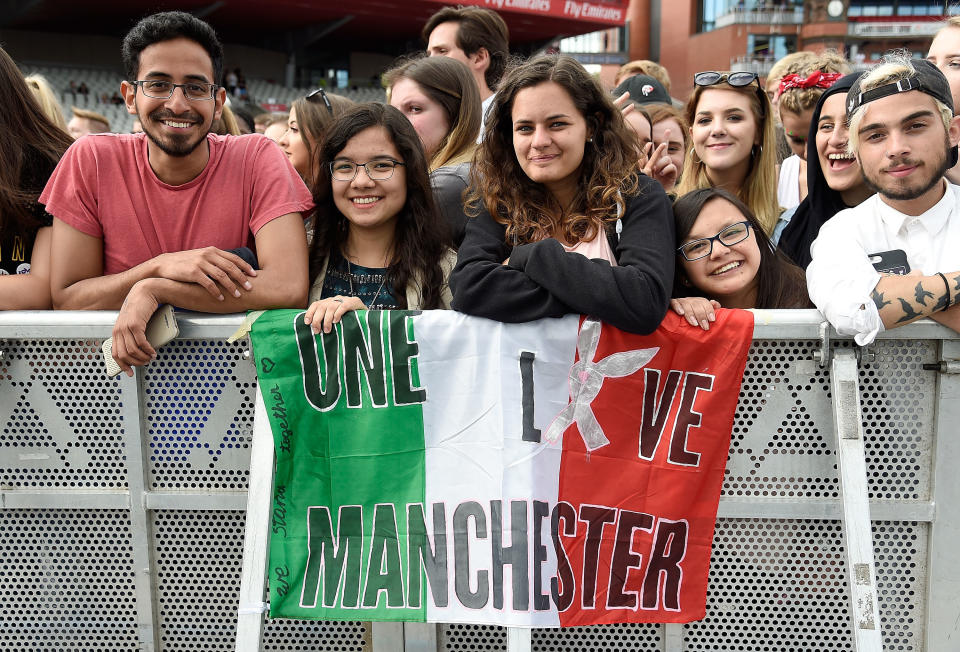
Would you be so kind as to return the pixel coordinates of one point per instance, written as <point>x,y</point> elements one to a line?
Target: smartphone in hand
<point>161,329</point>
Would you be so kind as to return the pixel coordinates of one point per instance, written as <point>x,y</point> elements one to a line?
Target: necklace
<point>373,302</point>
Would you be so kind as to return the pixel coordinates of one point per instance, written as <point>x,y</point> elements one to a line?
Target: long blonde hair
<point>48,101</point>
<point>759,188</point>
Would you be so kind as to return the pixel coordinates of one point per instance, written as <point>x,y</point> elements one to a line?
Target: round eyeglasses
<point>731,235</point>
<point>163,90</point>
<point>379,169</point>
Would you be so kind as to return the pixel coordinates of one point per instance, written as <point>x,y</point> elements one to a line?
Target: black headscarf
<point>821,202</point>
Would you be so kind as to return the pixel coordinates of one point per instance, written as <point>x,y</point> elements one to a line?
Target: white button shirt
<point>841,277</point>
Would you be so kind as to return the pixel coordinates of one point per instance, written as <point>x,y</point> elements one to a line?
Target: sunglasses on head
<point>738,79</point>
<point>320,95</point>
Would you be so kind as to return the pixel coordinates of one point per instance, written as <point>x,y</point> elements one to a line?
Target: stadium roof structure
<point>290,25</point>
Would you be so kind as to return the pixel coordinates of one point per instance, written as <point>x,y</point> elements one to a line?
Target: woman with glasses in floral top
<point>726,260</point>
<point>377,236</point>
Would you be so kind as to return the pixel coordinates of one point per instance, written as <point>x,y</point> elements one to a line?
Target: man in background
<point>477,37</point>
<point>86,122</point>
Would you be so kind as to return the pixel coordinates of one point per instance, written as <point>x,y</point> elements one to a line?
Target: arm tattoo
<point>909,313</point>
<point>878,299</point>
<point>920,294</point>
<point>956,290</point>
<point>941,303</point>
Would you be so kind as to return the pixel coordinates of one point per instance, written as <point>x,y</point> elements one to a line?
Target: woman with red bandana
<point>799,91</point>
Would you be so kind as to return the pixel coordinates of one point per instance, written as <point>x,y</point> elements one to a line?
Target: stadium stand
<point>105,82</point>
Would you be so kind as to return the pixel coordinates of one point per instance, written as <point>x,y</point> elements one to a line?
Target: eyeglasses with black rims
<point>379,169</point>
<point>320,95</point>
<point>159,89</point>
<point>729,236</point>
<point>737,79</point>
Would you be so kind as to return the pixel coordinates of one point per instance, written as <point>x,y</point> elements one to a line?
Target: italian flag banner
<point>436,467</point>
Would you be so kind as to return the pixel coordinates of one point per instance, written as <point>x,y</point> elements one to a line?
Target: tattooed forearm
<point>921,294</point>
<point>941,303</point>
<point>909,314</point>
<point>878,299</point>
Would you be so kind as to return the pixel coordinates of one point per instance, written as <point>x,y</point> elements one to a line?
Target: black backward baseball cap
<point>927,79</point>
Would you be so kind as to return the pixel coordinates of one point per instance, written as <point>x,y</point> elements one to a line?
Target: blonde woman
<point>944,53</point>
<point>734,147</point>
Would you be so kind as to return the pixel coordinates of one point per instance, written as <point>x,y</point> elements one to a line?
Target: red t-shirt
<point>104,186</point>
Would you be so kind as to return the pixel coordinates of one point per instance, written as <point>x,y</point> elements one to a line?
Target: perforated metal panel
<point>782,443</point>
<point>68,576</point>
<point>775,585</point>
<point>599,638</point>
<point>198,558</point>
<point>901,558</point>
<point>780,584</point>
<point>66,581</point>
<point>60,417</point>
<point>470,638</point>
<point>199,406</point>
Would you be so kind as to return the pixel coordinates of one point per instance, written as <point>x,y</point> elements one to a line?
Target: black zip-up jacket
<point>543,280</point>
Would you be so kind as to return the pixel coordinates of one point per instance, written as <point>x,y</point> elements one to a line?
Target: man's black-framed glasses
<point>159,89</point>
<point>379,169</point>
<point>320,95</point>
<point>731,235</point>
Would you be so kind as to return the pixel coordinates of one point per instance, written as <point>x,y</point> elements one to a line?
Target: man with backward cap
<point>904,134</point>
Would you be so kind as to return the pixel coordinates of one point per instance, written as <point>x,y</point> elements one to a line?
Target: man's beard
<point>177,146</point>
<point>904,193</point>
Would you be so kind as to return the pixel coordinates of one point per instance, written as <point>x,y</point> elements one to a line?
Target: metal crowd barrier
<point>122,500</point>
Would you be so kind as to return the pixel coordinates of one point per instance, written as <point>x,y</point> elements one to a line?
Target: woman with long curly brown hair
<point>30,147</point>
<point>378,240</point>
<point>564,223</point>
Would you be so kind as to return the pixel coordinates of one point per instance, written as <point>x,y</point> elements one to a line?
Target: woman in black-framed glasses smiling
<point>725,260</point>
<point>734,145</point>
<point>378,240</point>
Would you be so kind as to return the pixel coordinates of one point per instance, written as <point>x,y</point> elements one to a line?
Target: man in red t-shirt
<point>146,219</point>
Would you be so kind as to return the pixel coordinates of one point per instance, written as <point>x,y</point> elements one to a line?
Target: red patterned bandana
<point>817,79</point>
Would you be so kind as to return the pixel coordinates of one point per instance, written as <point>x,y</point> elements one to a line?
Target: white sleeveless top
<point>788,185</point>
